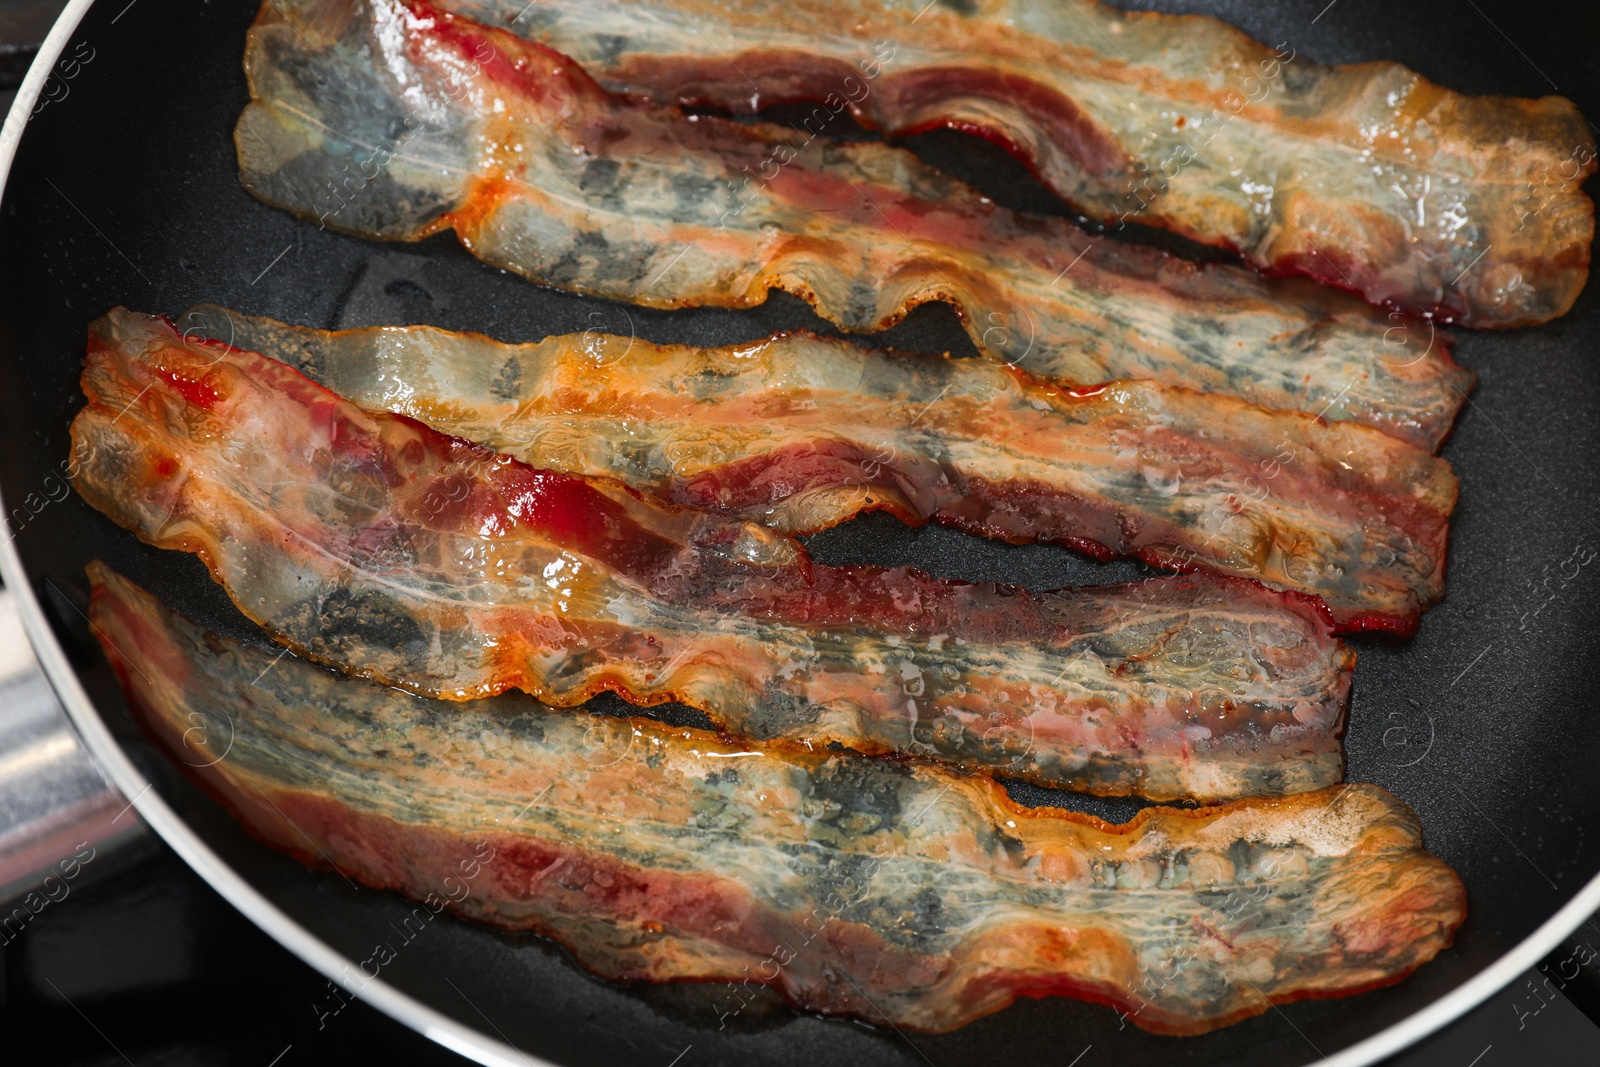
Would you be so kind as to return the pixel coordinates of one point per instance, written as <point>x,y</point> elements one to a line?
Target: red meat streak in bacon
<point>540,171</point>
<point>1507,171</point>
<point>433,801</point>
<point>384,548</point>
<point>800,433</point>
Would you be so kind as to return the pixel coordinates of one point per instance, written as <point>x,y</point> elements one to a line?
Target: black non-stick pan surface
<point>124,191</point>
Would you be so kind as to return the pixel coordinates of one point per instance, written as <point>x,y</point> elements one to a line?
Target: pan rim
<point>460,1038</point>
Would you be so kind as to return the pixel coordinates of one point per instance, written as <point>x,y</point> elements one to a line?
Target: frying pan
<point>122,189</point>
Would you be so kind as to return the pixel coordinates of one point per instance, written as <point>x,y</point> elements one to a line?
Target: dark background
<point>146,965</point>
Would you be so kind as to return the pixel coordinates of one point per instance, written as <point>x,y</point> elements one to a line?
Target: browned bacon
<point>393,119</point>
<point>899,893</point>
<point>1366,177</point>
<point>391,551</point>
<point>800,433</point>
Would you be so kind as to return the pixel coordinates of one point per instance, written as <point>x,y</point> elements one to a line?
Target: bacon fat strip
<point>1368,177</point>
<point>800,433</point>
<point>377,545</point>
<point>391,119</point>
<point>896,892</point>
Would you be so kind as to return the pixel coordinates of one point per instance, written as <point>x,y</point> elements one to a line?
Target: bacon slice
<point>801,433</point>
<point>895,892</point>
<point>395,120</point>
<point>393,552</point>
<point>1365,177</point>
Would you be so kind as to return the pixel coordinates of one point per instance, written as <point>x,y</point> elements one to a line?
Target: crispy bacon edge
<point>1393,906</point>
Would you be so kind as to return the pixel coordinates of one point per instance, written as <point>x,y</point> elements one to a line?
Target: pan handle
<point>58,811</point>
<point>1574,968</point>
